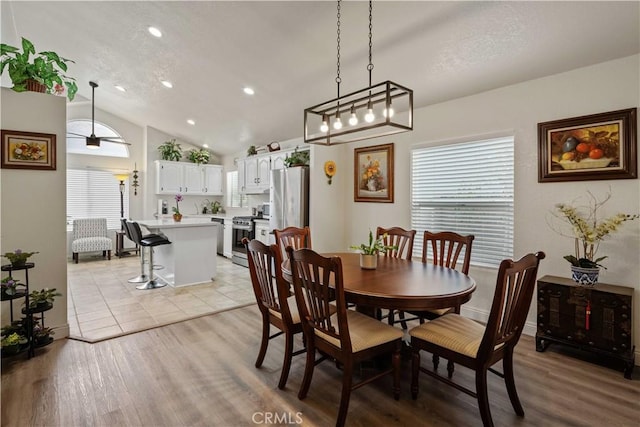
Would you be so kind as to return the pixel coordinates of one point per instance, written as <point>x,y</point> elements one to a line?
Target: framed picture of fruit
<point>598,146</point>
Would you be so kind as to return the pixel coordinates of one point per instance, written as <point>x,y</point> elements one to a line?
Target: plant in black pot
<point>43,73</point>
<point>43,297</point>
<point>12,344</point>
<point>10,287</point>
<point>41,334</point>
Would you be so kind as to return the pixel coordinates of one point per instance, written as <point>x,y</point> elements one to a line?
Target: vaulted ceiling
<point>286,51</point>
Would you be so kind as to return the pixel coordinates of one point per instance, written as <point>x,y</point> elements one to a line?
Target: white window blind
<point>95,194</point>
<point>466,188</point>
<point>234,198</point>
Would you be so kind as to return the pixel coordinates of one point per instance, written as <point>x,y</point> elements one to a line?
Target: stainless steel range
<point>243,226</point>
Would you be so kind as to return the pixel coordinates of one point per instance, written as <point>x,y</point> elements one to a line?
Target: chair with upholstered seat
<point>468,343</point>
<point>346,335</point>
<point>275,301</point>
<point>295,237</point>
<point>446,248</point>
<point>90,235</point>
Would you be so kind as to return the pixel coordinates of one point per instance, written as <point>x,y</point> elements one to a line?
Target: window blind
<point>466,188</point>
<point>95,194</point>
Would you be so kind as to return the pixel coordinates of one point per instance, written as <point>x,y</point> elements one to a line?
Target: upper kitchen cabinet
<point>256,174</point>
<point>188,178</point>
<point>277,159</point>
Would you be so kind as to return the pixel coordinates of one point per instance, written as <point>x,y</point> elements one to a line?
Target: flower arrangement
<point>199,156</point>
<point>588,230</point>
<point>9,286</point>
<point>374,247</point>
<point>178,198</point>
<point>18,257</point>
<point>372,178</point>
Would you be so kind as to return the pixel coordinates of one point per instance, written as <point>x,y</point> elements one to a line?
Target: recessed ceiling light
<point>248,91</point>
<point>167,83</point>
<point>191,122</point>
<point>120,88</point>
<point>205,145</point>
<point>155,32</point>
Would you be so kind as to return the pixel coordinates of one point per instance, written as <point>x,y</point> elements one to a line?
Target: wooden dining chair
<point>295,237</point>
<point>467,343</point>
<point>346,335</point>
<point>275,301</point>
<point>446,248</point>
<point>403,241</point>
<point>400,238</point>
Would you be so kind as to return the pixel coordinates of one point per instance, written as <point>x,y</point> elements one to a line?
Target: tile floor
<point>102,304</point>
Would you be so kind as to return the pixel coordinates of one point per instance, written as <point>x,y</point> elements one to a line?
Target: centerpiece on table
<point>177,216</point>
<point>588,231</point>
<point>18,258</point>
<point>369,252</point>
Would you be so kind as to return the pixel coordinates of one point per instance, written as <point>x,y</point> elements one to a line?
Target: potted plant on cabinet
<point>297,158</point>
<point>199,156</point>
<point>43,74</point>
<point>170,150</point>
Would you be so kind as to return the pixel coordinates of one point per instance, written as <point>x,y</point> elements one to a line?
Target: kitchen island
<point>191,257</point>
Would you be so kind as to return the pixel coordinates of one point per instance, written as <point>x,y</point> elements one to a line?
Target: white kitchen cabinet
<point>212,180</point>
<point>277,159</point>
<point>188,178</point>
<point>262,231</point>
<point>228,238</point>
<point>256,174</point>
<point>169,177</point>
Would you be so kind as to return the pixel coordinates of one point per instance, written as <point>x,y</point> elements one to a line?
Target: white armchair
<point>90,235</point>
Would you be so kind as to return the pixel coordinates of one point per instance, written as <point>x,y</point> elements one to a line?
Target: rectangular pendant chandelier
<point>379,110</point>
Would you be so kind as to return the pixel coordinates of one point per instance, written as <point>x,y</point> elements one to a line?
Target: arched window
<point>77,145</point>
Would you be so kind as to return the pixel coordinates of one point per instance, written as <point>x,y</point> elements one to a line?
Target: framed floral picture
<point>28,150</point>
<point>373,174</point>
<point>598,146</point>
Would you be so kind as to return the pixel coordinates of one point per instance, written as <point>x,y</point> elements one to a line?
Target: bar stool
<point>142,277</point>
<point>150,241</point>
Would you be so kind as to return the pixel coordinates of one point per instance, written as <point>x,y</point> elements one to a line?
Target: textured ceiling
<point>287,52</point>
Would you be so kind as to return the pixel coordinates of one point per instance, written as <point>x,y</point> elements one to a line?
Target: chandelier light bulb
<point>353,120</point>
<point>337,125</point>
<point>390,113</point>
<point>369,117</point>
<point>324,127</point>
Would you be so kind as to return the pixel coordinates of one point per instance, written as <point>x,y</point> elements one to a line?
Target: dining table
<point>400,284</point>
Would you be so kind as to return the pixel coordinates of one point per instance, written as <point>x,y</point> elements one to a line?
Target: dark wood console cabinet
<point>597,319</point>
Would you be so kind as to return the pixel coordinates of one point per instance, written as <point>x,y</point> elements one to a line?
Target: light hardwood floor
<point>201,373</point>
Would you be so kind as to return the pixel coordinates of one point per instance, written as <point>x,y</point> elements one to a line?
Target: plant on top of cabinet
<point>43,74</point>
<point>170,150</point>
<point>297,158</point>
<point>252,151</point>
<point>199,156</point>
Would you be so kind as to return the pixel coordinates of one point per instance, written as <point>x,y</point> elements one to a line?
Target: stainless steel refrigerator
<point>289,198</point>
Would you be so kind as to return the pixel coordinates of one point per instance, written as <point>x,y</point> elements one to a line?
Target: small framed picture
<point>373,174</point>
<point>599,146</point>
<point>28,150</point>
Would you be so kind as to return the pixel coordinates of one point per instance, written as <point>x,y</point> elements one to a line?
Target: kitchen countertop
<point>170,223</point>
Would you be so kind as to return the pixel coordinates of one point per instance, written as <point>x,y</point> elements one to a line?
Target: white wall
<point>33,209</point>
<point>337,221</point>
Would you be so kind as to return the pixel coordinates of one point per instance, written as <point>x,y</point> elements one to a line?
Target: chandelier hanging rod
<point>363,101</point>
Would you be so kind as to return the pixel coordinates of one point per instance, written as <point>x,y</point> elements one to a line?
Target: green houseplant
<point>42,297</point>
<point>199,156</point>
<point>297,158</point>
<point>9,286</point>
<point>18,258</point>
<point>369,251</point>
<point>11,344</point>
<point>46,68</point>
<point>170,150</point>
